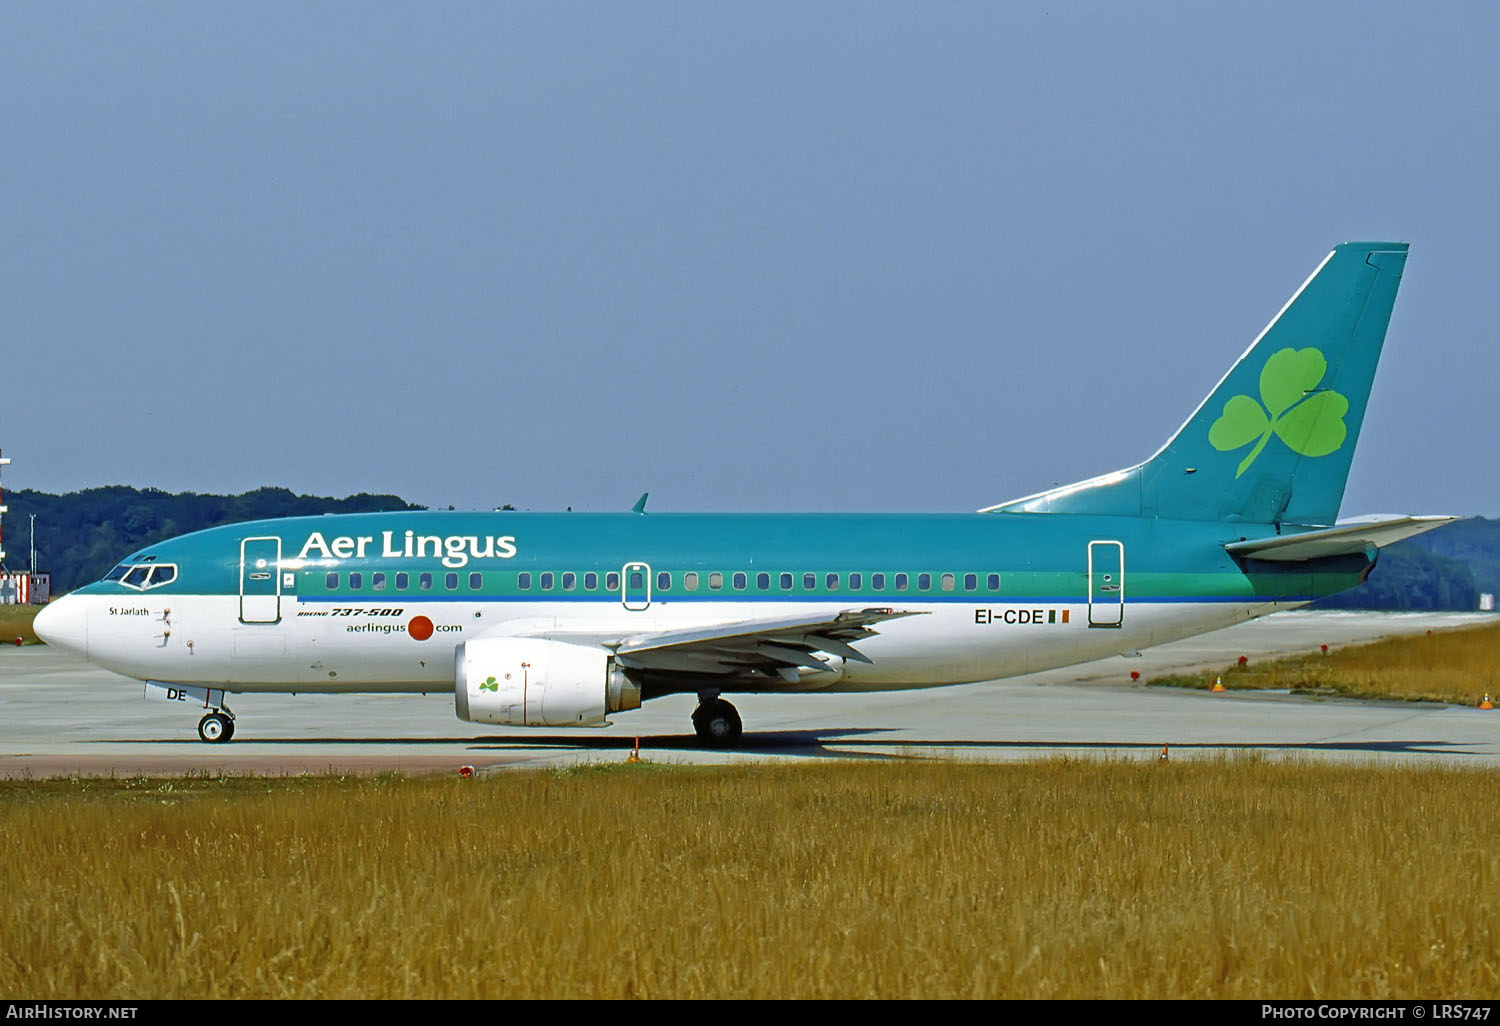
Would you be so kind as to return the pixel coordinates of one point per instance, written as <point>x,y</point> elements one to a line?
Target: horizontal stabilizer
<point>1344,540</point>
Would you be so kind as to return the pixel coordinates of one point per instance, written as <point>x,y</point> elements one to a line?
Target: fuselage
<point>380,602</point>
<point>564,619</point>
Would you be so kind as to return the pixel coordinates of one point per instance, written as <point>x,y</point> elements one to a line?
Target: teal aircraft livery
<point>564,619</point>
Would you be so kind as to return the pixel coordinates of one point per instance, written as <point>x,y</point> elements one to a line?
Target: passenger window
<point>663,581</point>
<point>690,581</point>
<point>832,582</point>
<point>971,581</point>
<point>570,582</point>
<point>424,582</point>
<point>993,581</point>
<point>331,582</point>
<point>612,582</point>
<point>924,582</point>
<point>523,581</point>
<point>900,582</point>
<point>637,580</point>
<point>947,580</point>
<point>377,582</point>
<point>476,582</point>
<point>877,581</point>
<point>590,582</point>
<point>715,581</point>
<point>763,581</point>
<point>403,581</point>
<point>450,581</point>
<point>547,582</point>
<point>739,582</point>
<point>809,582</point>
<point>356,580</point>
<point>786,582</point>
<point>855,581</point>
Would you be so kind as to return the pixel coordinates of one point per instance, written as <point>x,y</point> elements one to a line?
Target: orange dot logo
<point>420,628</point>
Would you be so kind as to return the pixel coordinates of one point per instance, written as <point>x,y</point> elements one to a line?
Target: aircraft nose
<point>63,623</point>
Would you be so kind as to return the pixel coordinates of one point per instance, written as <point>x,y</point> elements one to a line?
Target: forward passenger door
<point>260,580</point>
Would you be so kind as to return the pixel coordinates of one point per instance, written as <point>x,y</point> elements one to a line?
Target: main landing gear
<point>216,727</point>
<point>716,721</point>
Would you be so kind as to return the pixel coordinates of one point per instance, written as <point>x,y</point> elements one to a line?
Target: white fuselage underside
<point>322,647</point>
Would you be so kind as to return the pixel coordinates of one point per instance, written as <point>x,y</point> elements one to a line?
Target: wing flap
<point>833,625</point>
<point>782,647</point>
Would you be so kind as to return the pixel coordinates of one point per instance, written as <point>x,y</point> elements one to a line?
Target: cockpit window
<point>143,576</point>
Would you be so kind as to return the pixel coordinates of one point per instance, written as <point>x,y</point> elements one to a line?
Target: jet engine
<point>534,682</point>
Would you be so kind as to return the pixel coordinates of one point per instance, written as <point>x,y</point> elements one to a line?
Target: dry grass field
<point>1456,666</point>
<point>1239,878</point>
<point>15,622</point>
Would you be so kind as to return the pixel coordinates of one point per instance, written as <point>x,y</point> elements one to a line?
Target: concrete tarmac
<point>60,716</point>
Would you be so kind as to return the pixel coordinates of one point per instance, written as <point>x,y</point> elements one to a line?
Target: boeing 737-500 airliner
<point>548,620</point>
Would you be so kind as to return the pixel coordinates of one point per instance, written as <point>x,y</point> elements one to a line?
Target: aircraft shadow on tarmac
<point>837,743</point>
<point>805,743</point>
<point>811,742</point>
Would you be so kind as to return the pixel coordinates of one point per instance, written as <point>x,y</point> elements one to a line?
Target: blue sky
<point>775,256</point>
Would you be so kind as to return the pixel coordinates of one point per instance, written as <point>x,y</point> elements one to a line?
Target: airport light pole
<point>3,462</point>
<point>33,544</point>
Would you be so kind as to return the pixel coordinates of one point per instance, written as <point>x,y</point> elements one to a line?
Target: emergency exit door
<point>635,586</point>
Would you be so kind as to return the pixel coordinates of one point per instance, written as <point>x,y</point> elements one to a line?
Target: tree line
<point>81,535</point>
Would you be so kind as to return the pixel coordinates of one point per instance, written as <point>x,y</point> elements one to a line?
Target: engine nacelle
<point>534,682</point>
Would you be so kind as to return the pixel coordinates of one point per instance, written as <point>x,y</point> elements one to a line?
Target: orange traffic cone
<point>1486,703</point>
<point>1218,685</point>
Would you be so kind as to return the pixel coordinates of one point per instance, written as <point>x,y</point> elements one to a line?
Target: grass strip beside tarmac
<point>1455,666</point>
<point>1062,878</point>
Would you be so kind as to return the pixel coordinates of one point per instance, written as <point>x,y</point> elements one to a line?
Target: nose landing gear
<point>216,727</point>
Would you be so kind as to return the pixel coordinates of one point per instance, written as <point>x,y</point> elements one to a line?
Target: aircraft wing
<point>786,647</point>
<point>1344,539</point>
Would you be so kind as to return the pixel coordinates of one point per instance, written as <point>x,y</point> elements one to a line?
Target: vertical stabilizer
<point>1274,441</point>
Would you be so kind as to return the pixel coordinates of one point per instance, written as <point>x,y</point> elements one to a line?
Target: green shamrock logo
<point>490,684</point>
<point>1308,419</point>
